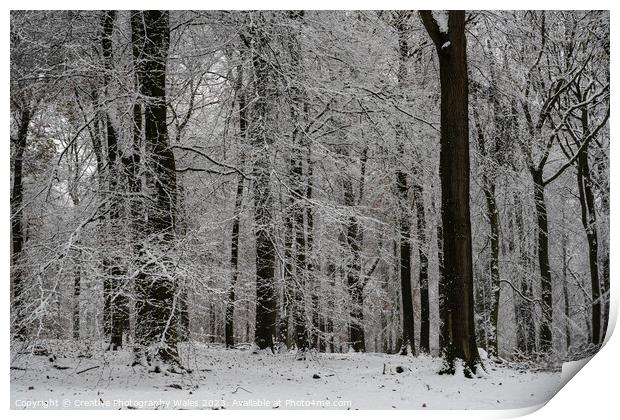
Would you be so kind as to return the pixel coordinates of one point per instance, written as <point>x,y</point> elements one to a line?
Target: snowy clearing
<point>239,379</point>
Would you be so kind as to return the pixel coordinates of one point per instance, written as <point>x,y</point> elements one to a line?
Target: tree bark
<point>156,291</point>
<point>17,218</point>
<point>488,188</point>
<point>261,137</point>
<point>454,174</point>
<point>588,220</point>
<point>543,261</point>
<point>116,314</point>
<point>425,313</point>
<point>408,344</point>
<point>234,241</point>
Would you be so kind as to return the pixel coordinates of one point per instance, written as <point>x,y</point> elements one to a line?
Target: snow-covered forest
<point>370,208</point>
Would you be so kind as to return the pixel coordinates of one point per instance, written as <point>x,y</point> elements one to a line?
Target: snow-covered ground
<point>239,379</point>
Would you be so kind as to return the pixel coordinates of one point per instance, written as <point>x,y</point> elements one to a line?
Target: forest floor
<point>232,379</point>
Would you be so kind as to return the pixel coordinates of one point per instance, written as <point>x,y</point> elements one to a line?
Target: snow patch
<point>441,17</point>
<point>225,377</point>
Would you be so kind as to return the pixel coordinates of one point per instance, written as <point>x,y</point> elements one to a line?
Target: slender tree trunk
<point>116,314</point>
<point>454,174</point>
<point>234,267</point>
<point>17,219</point>
<point>588,219</point>
<point>543,261</point>
<point>408,344</point>
<point>234,241</point>
<point>605,294</point>
<point>425,315</point>
<point>287,290</point>
<point>488,187</point>
<point>299,312</point>
<point>493,216</point>
<point>183,291</point>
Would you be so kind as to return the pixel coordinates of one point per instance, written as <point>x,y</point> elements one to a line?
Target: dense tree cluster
<point>392,181</point>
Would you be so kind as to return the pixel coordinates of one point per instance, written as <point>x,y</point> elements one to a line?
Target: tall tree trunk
<point>454,174</point>
<point>116,315</point>
<point>287,276</point>
<point>408,345</point>
<point>299,311</point>
<point>488,187</point>
<point>493,216</point>
<point>234,241</point>
<point>17,218</point>
<point>156,291</point>
<point>299,187</point>
<point>261,137</point>
<point>425,313</point>
<point>543,261</point>
<point>183,292</point>
<point>588,219</point>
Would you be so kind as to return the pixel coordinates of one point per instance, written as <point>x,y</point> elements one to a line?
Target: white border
<point>592,394</point>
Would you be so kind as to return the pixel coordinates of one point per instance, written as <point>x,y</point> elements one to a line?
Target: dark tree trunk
<point>287,276</point>
<point>234,241</point>
<point>605,294</point>
<point>488,187</point>
<point>156,292</point>
<point>543,261</point>
<point>183,332</point>
<point>116,314</point>
<point>588,219</point>
<point>300,214</point>
<point>454,174</point>
<point>17,218</point>
<point>408,344</point>
<point>425,313</point>
<point>261,136</point>
<point>299,311</point>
